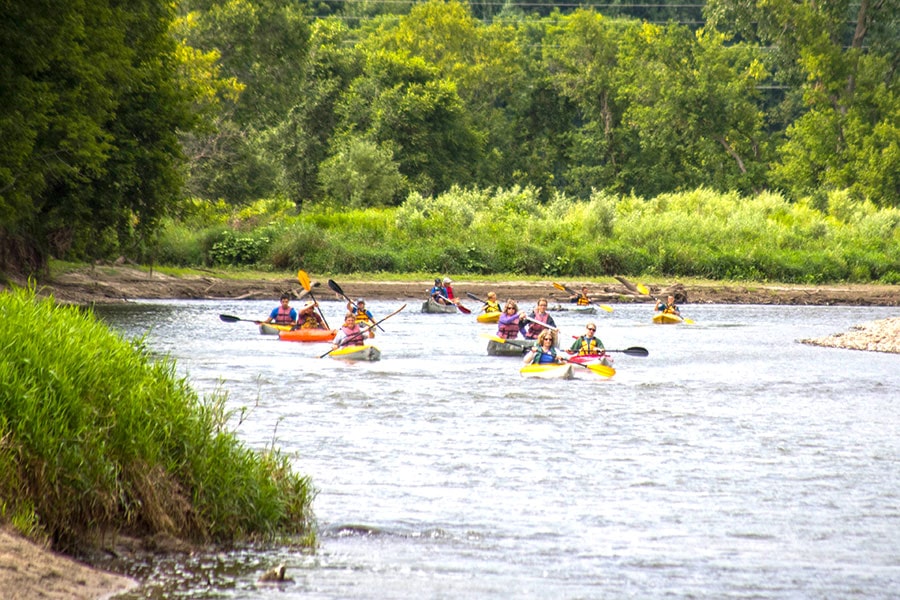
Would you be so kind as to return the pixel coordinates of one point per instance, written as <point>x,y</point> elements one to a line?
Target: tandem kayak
<point>547,371</point>
<point>508,347</point>
<point>273,328</point>
<point>488,317</point>
<point>665,318</point>
<point>430,306</point>
<point>307,335</point>
<point>369,353</point>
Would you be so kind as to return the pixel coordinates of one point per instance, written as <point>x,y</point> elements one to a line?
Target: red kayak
<point>307,335</point>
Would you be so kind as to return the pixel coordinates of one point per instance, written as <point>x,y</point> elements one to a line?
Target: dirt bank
<point>121,283</point>
<point>29,571</point>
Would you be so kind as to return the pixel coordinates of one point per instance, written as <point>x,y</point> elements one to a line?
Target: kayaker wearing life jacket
<point>283,314</point>
<point>491,305</point>
<point>533,330</point>
<point>581,299</point>
<point>509,326</point>
<point>668,306</point>
<point>543,351</point>
<point>590,345</point>
<point>349,334</point>
<point>438,293</point>
<point>363,316</point>
<point>308,318</point>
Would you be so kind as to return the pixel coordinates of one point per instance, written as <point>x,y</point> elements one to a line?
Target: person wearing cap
<point>448,291</point>
<point>309,318</point>
<point>363,316</point>
<point>283,314</point>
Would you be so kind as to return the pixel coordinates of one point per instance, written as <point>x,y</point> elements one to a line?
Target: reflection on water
<point>731,462</point>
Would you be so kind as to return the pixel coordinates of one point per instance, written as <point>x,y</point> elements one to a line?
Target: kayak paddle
<point>597,368</point>
<point>232,319</point>
<point>461,308</point>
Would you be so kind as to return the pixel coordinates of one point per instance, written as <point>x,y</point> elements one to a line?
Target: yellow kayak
<point>488,317</point>
<point>273,328</point>
<point>663,318</point>
<point>369,353</point>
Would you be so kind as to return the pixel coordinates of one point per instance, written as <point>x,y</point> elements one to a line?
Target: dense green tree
<point>692,105</point>
<point>89,113</point>
<point>263,45</point>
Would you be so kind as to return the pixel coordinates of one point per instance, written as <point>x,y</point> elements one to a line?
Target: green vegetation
<point>702,233</point>
<point>98,438</point>
<point>112,114</point>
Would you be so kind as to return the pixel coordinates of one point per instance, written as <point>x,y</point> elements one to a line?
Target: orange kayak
<point>307,335</point>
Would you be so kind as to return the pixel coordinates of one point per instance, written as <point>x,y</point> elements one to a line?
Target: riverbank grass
<point>96,436</point>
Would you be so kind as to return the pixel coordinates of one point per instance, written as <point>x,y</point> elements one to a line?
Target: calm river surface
<point>733,462</point>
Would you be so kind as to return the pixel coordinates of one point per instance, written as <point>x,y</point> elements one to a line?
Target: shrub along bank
<point>694,234</point>
<point>99,437</point>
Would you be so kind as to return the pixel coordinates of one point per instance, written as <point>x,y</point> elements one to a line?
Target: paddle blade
<point>463,309</point>
<point>688,321</point>
<point>560,287</point>
<point>601,370</point>
<point>474,297</point>
<point>230,319</point>
<point>303,278</point>
<point>633,351</point>
<point>336,288</point>
<point>643,289</point>
<point>493,338</point>
<point>605,307</point>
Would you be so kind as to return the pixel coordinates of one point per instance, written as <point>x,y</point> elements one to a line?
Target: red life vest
<point>354,336</point>
<point>533,328</point>
<point>284,316</point>
<point>509,331</point>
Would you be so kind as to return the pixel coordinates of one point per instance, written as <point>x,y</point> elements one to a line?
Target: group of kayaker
<point>359,323</point>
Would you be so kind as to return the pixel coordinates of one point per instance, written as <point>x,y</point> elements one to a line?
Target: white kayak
<point>547,371</point>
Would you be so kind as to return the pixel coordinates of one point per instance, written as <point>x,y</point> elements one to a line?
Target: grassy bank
<point>98,437</point>
<point>700,234</point>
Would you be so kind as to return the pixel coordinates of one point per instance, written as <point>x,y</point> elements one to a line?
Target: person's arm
<point>529,356</point>
<point>272,316</point>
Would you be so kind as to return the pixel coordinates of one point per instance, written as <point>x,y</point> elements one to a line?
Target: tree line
<point>113,116</point>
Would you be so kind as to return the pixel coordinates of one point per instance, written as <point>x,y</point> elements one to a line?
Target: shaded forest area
<point>118,117</point>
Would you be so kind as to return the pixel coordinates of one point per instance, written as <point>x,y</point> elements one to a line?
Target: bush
<point>98,438</point>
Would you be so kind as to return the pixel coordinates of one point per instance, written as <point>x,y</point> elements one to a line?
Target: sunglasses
<point>591,329</point>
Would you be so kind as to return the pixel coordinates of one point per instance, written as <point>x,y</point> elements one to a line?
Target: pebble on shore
<point>876,336</point>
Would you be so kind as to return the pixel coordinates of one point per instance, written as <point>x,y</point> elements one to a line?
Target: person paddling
<point>363,316</point>
<point>283,314</point>
<point>349,334</point>
<point>491,305</point>
<point>669,306</point>
<point>509,324</point>
<point>581,299</point>
<point>539,314</point>
<point>543,351</point>
<point>308,318</point>
<point>590,345</point>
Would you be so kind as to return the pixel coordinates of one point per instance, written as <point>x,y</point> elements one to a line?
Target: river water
<point>733,462</point>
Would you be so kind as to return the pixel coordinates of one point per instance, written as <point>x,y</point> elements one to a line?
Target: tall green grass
<point>700,233</point>
<point>97,437</point>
